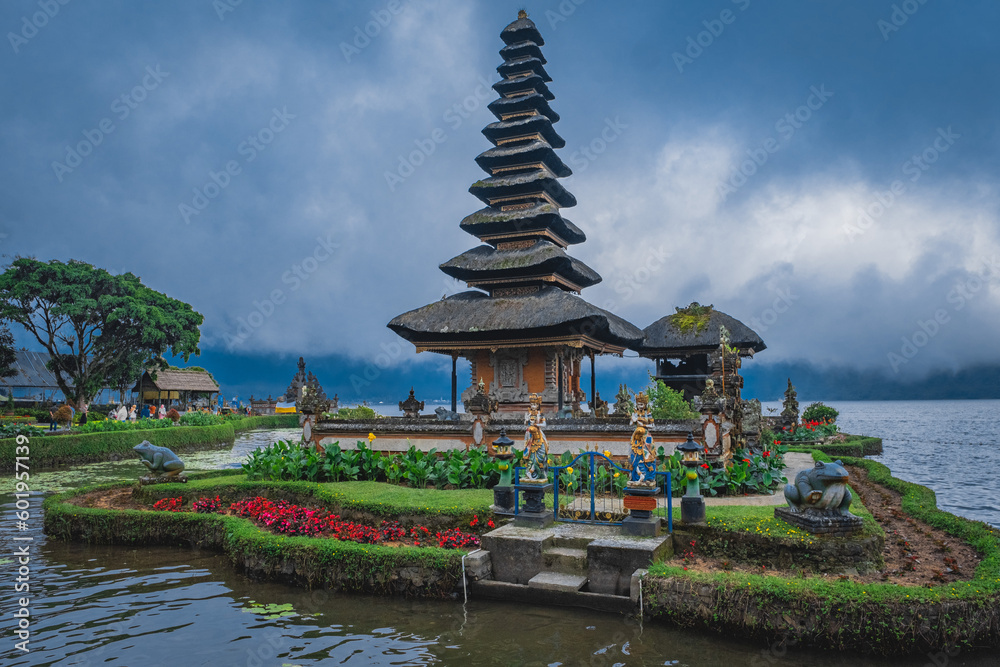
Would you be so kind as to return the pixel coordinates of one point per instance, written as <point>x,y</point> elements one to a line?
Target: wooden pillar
<point>593,384</point>
<point>454,383</point>
<point>559,378</point>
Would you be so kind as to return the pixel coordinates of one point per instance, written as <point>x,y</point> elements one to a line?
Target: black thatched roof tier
<point>489,222</point>
<point>516,127</point>
<point>535,182</point>
<point>549,315</point>
<point>533,102</point>
<point>664,336</point>
<point>485,263</point>
<point>512,69</point>
<point>507,87</point>
<point>533,152</point>
<point>520,50</point>
<point>521,30</point>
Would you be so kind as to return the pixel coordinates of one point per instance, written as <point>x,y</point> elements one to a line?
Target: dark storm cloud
<point>297,171</point>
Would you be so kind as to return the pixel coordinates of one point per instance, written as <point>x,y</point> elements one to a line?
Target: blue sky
<point>724,152</point>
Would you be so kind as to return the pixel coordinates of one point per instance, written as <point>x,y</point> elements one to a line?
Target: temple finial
<point>522,14</point>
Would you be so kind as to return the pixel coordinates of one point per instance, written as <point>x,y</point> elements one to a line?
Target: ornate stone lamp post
<point>503,492</point>
<point>692,504</point>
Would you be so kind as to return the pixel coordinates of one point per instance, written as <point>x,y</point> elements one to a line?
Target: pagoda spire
<point>525,237</point>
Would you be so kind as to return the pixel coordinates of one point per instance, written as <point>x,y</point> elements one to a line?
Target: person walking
<point>162,412</point>
<point>83,415</point>
<point>52,420</point>
<point>132,415</point>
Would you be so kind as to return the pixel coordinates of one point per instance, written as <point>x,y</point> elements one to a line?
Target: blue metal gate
<point>590,489</point>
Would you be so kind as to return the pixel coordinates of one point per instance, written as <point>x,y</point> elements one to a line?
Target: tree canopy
<point>98,327</point>
<point>7,353</point>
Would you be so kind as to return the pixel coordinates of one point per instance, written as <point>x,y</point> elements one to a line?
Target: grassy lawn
<point>760,519</point>
<point>418,501</point>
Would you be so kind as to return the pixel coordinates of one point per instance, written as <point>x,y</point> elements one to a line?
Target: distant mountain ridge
<point>768,382</point>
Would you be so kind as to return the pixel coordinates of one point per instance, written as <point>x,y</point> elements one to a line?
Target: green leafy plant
<point>360,412</point>
<point>817,412</point>
<point>16,429</point>
<point>200,419</point>
<point>667,403</point>
<point>809,430</point>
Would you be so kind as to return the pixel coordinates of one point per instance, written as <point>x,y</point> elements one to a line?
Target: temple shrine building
<point>524,327</point>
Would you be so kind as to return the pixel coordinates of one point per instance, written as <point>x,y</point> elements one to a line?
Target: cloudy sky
<point>824,171</point>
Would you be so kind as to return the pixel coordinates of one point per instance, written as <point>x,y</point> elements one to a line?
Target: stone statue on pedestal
<point>642,455</point>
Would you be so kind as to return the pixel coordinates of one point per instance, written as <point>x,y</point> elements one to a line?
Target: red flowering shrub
<point>207,505</point>
<point>453,538</point>
<point>391,531</point>
<point>168,505</point>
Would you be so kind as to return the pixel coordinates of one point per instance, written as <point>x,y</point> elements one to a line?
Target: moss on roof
<point>694,318</point>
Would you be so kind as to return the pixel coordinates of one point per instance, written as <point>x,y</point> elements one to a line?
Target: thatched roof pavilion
<point>690,337</point>
<point>175,385</point>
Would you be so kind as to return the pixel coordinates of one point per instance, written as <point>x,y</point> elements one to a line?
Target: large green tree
<point>97,326</point>
<point>7,352</point>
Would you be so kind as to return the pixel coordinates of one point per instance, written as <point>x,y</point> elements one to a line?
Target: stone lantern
<point>692,504</point>
<point>503,492</point>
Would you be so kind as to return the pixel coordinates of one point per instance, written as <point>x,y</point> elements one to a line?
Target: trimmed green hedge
<point>856,446</point>
<point>88,447</point>
<point>883,619</point>
<point>314,562</point>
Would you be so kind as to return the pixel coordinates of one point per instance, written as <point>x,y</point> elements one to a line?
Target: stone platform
<point>821,523</point>
<point>568,564</point>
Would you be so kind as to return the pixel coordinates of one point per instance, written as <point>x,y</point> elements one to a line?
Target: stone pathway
<point>794,462</point>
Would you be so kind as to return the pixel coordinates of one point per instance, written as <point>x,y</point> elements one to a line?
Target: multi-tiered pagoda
<point>523,328</point>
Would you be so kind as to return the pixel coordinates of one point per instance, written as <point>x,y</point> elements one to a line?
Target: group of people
<point>121,413</point>
<point>54,423</point>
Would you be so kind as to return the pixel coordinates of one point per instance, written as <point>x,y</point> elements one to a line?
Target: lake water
<point>138,607</point>
<point>952,447</point>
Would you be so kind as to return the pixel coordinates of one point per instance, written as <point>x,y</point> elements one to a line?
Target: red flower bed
<point>289,519</point>
<point>168,504</point>
<point>207,505</point>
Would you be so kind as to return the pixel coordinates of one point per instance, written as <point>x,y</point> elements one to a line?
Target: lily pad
<point>270,611</point>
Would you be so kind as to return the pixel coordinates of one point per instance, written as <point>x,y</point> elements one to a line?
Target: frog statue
<point>160,461</point>
<point>823,487</point>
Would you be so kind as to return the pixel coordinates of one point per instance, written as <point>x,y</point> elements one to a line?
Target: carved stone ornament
<point>411,407</point>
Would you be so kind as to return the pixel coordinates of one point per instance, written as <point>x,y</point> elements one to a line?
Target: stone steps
<point>565,559</point>
<point>558,581</point>
<point>572,541</point>
<point>601,558</point>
